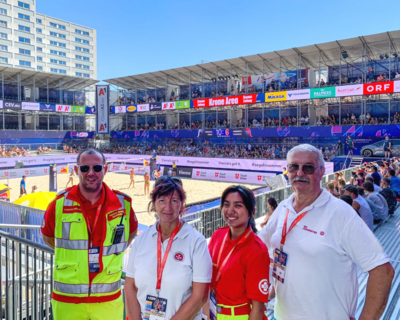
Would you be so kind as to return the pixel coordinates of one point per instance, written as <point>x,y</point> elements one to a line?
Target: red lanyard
<point>284,229</point>
<point>161,265</point>
<point>94,226</point>
<point>220,268</point>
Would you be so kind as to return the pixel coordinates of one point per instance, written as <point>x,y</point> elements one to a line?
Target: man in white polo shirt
<point>318,241</point>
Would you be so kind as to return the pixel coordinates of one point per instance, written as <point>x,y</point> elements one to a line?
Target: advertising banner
<point>379,87</point>
<point>78,109</point>
<point>168,105</point>
<point>229,100</point>
<point>1,104</point>
<point>31,106</point>
<point>303,94</point>
<point>118,109</point>
<point>320,93</point>
<point>48,107</point>
<point>63,108</point>
<point>131,109</point>
<point>155,106</point>
<point>139,170</point>
<point>28,172</point>
<point>12,105</point>
<point>143,107</point>
<point>396,85</point>
<point>181,172</point>
<point>352,90</point>
<point>90,110</point>
<point>182,104</point>
<point>231,176</point>
<point>102,107</point>
<point>276,96</point>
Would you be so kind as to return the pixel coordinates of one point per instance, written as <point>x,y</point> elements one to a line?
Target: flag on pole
<point>146,163</point>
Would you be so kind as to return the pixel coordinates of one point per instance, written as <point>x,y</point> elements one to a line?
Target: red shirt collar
<point>107,198</point>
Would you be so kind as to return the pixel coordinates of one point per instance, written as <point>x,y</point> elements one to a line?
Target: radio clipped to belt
<point>119,231</point>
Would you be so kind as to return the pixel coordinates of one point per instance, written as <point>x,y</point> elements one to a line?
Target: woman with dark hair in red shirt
<point>240,282</point>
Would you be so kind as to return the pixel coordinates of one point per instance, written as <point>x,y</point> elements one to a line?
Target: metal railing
<point>26,278</point>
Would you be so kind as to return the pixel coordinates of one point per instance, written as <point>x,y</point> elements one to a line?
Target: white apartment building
<point>36,42</point>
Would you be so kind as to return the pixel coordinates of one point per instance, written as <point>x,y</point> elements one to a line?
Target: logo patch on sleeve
<point>115,215</point>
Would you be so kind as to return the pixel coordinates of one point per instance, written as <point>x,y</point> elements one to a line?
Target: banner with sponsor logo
<point>181,171</point>
<point>102,107</point>
<point>1,104</point>
<point>168,105</point>
<point>48,107</point>
<point>12,105</point>
<point>30,106</point>
<point>231,176</point>
<point>320,93</point>
<point>126,168</point>
<point>155,106</point>
<point>63,108</point>
<point>78,109</point>
<point>352,90</point>
<point>303,94</point>
<point>28,172</point>
<point>379,87</point>
<point>131,109</point>
<point>182,104</point>
<point>143,107</point>
<point>229,100</point>
<point>90,110</point>
<point>276,96</point>
<point>396,86</point>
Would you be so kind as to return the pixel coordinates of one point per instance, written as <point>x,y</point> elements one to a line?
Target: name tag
<point>279,266</point>
<point>94,254</point>
<point>155,308</point>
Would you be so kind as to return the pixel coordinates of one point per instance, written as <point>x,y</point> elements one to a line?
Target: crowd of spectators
<point>11,152</point>
<point>207,150</point>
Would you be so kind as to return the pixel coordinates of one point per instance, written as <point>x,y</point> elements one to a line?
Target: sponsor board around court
<point>276,96</point>
<point>30,106</point>
<point>320,93</point>
<point>131,109</point>
<point>28,172</point>
<point>231,176</point>
<point>303,94</point>
<point>180,172</point>
<point>351,90</point>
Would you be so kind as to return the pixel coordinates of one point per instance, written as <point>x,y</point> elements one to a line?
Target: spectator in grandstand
<point>342,184</point>
<point>374,209</point>
<point>358,80</point>
<point>22,187</point>
<point>370,73</point>
<point>186,257</point>
<point>397,76</point>
<point>343,240</point>
<point>378,200</point>
<point>375,175</point>
<point>389,195</point>
<point>394,182</point>
<point>97,293</point>
<point>247,268</point>
<point>380,77</point>
<point>361,205</point>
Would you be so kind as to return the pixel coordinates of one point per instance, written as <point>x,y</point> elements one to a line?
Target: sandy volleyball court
<point>196,190</point>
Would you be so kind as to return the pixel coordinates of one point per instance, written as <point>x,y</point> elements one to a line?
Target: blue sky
<point>142,36</point>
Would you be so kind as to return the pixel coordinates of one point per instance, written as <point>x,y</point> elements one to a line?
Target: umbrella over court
<point>37,200</point>
<point>3,188</point>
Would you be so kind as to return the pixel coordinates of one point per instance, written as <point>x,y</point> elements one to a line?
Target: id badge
<point>279,267</point>
<point>213,307</point>
<point>155,308</point>
<point>94,254</point>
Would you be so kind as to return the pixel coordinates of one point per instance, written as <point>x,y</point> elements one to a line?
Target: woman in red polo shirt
<point>240,282</point>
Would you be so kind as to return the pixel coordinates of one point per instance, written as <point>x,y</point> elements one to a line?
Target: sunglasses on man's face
<point>306,168</point>
<point>96,168</point>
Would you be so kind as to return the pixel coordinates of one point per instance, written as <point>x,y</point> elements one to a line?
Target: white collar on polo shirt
<point>183,233</point>
<point>319,202</point>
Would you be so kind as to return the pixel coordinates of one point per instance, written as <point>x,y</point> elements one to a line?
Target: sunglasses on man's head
<point>306,168</point>
<point>97,168</point>
<point>166,178</point>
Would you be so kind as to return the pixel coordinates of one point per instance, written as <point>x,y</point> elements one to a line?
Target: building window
<point>39,58</point>
<point>79,74</point>
<point>85,41</point>
<point>77,65</point>
<point>23,5</point>
<point>26,40</point>
<point>53,34</point>
<point>53,51</point>
<point>85,50</point>
<point>86,67</point>
<point>23,16</point>
<point>78,48</point>
<point>4,60</point>
<point>54,70</point>
<point>3,11</point>
<point>39,39</point>
<point>62,63</point>
<point>3,23</point>
<point>62,71</point>
<point>62,45</point>
<point>61,27</point>
<point>61,36</point>
<point>82,58</point>
<point>78,40</point>
<point>53,25</point>
<point>5,1</point>
<point>62,54</point>
<point>38,30</point>
<point>53,43</point>
<point>39,49</point>
<point>39,21</point>
<point>40,68</point>
<point>53,61</point>
<point>3,35</point>
<point>24,51</point>
<point>23,28</point>
<point>24,63</point>
<point>3,48</point>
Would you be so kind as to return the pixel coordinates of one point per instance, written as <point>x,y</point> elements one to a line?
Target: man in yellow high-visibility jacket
<point>89,226</point>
